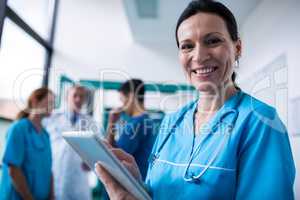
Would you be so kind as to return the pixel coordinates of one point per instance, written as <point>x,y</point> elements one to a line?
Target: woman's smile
<point>204,71</point>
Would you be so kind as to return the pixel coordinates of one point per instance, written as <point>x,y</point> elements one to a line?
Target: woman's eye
<point>186,46</point>
<point>213,41</point>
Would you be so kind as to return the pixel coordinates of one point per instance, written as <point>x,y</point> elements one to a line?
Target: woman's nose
<point>200,54</point>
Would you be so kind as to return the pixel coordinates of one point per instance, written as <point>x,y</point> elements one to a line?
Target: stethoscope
<point>231,114</point>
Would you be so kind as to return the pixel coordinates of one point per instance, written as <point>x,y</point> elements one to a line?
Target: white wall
<point>94,36</point>
<point>272,30</point>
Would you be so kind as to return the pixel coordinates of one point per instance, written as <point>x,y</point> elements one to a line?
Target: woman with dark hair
<point>136,135</point>
<point>224,145</point>
<point>27,157</point>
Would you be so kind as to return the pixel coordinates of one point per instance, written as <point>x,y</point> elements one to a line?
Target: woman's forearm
<point>20,183</point>
<point>111,133</point>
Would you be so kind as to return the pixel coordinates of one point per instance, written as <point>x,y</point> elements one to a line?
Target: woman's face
<point>46,105</point>
<point>127,101</point>
<point>206,51</point>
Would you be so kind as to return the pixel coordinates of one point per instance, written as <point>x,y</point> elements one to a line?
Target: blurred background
<point>101,43</point>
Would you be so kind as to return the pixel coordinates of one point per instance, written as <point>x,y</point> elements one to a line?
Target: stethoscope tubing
<point>230,126</point>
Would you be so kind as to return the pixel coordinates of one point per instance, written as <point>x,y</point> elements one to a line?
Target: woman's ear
<point>238,49</point>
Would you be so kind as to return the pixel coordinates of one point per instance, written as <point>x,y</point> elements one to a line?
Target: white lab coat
<point>70,180</point>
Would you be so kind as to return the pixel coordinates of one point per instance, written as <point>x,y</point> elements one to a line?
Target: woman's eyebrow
<point>187,39</point>
<point>184,40</point>
<point>214,33</point>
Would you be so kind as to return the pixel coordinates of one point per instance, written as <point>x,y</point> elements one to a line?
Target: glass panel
<point>34,12</point>
<point>281,76</point>
<point>21,61</point>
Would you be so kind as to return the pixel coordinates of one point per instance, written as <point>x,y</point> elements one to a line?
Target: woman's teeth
<point>205,70</point>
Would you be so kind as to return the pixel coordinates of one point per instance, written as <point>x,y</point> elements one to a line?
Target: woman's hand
<point>114,115</point>
<point>113,188</point>
<point>19,182</point>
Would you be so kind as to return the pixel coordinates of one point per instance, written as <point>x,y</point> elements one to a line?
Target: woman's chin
<point>209,87</point>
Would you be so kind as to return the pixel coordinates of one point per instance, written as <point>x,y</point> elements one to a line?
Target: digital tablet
<point>92,150</point>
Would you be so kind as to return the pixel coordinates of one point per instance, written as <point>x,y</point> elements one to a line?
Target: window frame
<point>6,11</point>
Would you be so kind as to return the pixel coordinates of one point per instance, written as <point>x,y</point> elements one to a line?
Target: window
<point>34,12</point>
<point>22,60</point>
<point>26,47</point>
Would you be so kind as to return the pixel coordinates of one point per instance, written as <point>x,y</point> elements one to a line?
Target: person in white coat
<point>70,172</point>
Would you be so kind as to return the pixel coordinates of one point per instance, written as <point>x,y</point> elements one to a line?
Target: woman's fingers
<point>129,162</point>
<point>109,182</point>
<point>113,188</point>
<point>133,170</point>
<point>119,153</point>
<point>127,159</point>
<point>114,115</point>
<point>105,177</point>
<point>122,155</point>
<point>107,144</point>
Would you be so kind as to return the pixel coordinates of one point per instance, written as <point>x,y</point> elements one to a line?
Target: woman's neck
<point>36,121</point>
<point>210,102</point>
<point>136,110</point>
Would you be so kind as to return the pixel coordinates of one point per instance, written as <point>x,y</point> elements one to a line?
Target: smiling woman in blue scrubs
<point>224,145</point>
<point>27,158</point>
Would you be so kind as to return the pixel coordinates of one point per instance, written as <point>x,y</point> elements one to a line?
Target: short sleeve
<point>14,149</point>
<point>266,168</point>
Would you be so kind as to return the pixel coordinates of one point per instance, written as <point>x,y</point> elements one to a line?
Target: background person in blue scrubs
<point>225,145</point>
<point>136,136</point>
<point>27,158</point>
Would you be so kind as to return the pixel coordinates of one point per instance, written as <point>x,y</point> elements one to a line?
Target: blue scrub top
<point>254,162</point>
<point>31,152</point>
<point>137,139</point>
<point>121,123</point>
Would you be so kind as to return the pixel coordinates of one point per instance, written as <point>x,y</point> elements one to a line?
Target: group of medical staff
<point>39,164</point>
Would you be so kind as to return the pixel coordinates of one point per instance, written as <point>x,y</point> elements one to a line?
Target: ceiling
<point>154,20</point>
